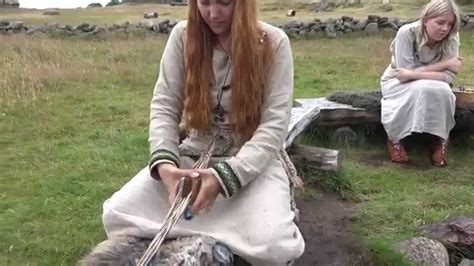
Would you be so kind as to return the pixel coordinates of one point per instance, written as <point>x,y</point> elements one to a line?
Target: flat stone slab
<point>312,109</point>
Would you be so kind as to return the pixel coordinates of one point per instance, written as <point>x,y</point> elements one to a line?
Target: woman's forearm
<point>429,75</point>
<point>436,67</point>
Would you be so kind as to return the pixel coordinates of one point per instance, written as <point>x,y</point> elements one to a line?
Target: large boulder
<point>91,28</point>
<point>148,24</point>
<point>164,27</point>
<point>330,29</point>
<point>456,231</point>
<point>372,27</point>
<point>360,25</point>
<point>81,26</point>
<point>424,251</point>
<point>347,18</point>
<point>373,18</point>
<point>15,25</point>
<point>457,235</point>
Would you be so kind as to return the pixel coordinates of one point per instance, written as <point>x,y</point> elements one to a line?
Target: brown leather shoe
<point>439,156</point>
<point>397,152</point>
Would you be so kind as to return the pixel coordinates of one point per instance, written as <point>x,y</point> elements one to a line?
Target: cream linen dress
<point>254,218</point>
<point>421,106</point>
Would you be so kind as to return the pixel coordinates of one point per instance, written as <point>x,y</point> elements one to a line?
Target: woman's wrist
<point>414,74</point>
<point>164,165</point>
<point>442,66</point>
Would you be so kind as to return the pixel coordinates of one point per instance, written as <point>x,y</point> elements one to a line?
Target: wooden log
<point>346,116</point>
<point>321,158</point>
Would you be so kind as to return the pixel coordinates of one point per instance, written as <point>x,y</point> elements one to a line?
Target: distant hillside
<point>12,3</point>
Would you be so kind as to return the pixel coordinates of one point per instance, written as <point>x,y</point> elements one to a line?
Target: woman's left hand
<point>210,189</point>
<point>404,74</point>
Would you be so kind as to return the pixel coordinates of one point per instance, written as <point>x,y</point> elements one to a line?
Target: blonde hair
<point>434,9</point>
<point>251,55</point>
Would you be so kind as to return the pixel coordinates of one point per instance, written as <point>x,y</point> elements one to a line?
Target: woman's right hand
<point>170,176</point>
<point>454,64</point>
<point>404,74</point>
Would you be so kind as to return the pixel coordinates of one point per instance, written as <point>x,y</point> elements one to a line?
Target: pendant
<point>219,114</point>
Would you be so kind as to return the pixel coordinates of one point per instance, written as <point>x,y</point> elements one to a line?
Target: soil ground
<point>326,224</point>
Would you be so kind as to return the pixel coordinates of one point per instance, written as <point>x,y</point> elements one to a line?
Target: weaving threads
<point>184,197</point>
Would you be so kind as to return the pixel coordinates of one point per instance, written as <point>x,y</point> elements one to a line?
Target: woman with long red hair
<point>222,72</point>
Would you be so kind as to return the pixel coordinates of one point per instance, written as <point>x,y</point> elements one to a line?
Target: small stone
<point>347,18</point>
<point>123,25</point>
<point>188,214</point>
<point>373,18</point>
<point>361,25</point>
<point>372,27</point>
<point>330,29</point>
<point>82,26</point>
<point>291,13</point>
<point>150,14</point>
<point>89,29</point>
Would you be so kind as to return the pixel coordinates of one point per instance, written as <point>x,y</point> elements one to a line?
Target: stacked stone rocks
<point>330,27</point>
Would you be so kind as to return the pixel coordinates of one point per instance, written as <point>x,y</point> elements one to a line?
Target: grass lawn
<point>74,118</point>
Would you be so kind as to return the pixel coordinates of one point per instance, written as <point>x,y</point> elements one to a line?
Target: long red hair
<point>251,61</point>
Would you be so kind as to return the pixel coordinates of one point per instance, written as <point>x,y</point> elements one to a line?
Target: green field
<point>74,118</point>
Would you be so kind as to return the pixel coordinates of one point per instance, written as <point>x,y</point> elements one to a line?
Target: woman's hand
<point>210,189</point>
<point>404,74</point>
<point>170,176</point>
<point>454,64</point>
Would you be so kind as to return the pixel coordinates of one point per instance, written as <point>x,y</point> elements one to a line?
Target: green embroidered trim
<point>228,177</point>
<point>164,155</point>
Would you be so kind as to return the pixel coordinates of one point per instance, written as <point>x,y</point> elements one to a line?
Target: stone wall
<point>18,27</point>
<point>334,27</point>
<point>330,28</point>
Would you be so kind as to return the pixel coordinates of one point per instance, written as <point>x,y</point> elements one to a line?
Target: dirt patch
<point>326,224</point>
<point>416,162</point>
